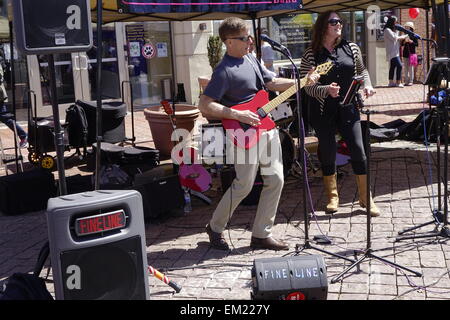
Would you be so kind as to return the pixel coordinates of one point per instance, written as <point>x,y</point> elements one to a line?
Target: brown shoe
<point>217,240</point>
<point>268,243</point>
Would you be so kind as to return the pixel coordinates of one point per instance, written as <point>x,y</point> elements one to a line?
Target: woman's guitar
<point>246,136</point>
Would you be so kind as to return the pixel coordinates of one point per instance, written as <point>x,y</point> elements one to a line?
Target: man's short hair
<point>231,26</point>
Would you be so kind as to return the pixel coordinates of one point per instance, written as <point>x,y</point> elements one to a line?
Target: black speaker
<point>161,192</point>
<point>290,278</point>
<point>52,26</point>
<point>97,246</point>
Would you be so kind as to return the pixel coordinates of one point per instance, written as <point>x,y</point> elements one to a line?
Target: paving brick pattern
<point>179,246</point>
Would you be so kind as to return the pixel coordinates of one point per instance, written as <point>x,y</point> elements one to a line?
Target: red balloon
<point>414,12</point>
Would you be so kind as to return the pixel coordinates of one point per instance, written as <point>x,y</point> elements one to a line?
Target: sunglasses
<point>245,39</point>
<point>335,21</point>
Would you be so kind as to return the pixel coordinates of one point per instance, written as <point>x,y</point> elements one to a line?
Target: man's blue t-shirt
<point>234,80</point>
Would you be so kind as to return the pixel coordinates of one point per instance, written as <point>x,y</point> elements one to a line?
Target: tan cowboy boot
<point>332,193</point>
<point>361,180</point>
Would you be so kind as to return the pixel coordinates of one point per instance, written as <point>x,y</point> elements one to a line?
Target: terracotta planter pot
<point>161,127</point>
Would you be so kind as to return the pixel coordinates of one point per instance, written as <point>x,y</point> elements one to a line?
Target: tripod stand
<point>439,70</point>
<point>368,252</point>
<point>440,219</point>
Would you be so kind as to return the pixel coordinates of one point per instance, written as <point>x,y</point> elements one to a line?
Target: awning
<point>112,12</point>
<point>161,10</point>
<point>362,5</point>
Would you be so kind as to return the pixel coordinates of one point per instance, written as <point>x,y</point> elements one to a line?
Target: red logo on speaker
<point>100,223</point>
<point>296,296</point>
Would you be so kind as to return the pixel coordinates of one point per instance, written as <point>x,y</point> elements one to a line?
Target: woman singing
<point>327,115</point>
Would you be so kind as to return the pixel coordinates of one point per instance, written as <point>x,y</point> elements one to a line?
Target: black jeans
<point>346,121</point>
<point>395,67</point>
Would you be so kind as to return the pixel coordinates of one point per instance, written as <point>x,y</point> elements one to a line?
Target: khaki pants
<point>266,155</point>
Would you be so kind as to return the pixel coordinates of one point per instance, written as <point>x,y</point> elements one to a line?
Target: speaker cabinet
<point>161,192</point>
<point>52,26</point>
<point>290,278</point>
<point>97,246</point>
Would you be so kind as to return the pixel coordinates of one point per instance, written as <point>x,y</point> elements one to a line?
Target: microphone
<point>275,45</point>
<point>408,32</point>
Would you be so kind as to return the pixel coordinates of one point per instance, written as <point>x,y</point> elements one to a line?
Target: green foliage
<point>214,51</point>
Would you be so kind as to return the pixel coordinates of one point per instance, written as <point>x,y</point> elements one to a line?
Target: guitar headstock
<point>324,67</point>
<point>167,107</point>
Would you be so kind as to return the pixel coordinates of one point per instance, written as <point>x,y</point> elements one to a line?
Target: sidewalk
<point>178,245</point>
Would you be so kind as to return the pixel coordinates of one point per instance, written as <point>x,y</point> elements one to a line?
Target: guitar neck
<point>283,96</point>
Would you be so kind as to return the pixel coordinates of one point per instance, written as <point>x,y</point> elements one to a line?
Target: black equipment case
<point>113,120</point>
<point>161,191</point>
<point>26,191</point>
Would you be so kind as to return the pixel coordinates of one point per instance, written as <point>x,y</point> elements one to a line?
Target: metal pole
<point>13,89</point>
<point>59,136</point>
<point>99,94</point>
<point>446,34</point>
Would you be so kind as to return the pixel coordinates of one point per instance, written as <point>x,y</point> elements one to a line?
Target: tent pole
<point>13,89</point>
<point>446,35</point>
<point>99,94</point>
<point>256,33</point>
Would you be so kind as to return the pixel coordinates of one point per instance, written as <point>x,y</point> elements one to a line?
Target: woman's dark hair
<point>319,31</point>
<point>390,23</point>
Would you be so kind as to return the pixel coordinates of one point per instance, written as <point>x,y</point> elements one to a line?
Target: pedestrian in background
<point>392,41</point>
<point>409,55</point>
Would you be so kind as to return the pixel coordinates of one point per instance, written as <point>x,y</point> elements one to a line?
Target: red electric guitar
<point>192,176</point>
<point>246,136</point>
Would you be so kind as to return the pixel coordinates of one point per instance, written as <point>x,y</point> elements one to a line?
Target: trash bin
<point>113,120</point>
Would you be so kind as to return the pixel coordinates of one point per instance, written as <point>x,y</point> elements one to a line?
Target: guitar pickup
<point>261,113</point>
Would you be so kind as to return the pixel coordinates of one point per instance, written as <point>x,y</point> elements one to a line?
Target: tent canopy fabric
<point>112,12</point>
<point>361,5</point>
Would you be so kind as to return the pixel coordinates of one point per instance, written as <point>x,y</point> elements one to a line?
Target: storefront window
<point>149,61</point>
<point>110,70</point>
<point>294,31</point>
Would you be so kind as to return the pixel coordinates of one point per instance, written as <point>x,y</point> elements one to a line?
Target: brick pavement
<point>179,245</point>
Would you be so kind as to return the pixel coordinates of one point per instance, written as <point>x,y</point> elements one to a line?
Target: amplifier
<point>290,278</point>
<point>161,191</point>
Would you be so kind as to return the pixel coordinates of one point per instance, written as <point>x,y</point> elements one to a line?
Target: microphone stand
<point>301,145</point>
<point>440,219</point>
<point>368,252</point>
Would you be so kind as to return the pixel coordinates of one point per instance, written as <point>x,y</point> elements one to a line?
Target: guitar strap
<point>257,71</point>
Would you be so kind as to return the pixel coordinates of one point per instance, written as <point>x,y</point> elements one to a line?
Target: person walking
<point>8,118</point>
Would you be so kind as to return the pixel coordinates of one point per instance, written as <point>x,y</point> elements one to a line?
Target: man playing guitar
<point>236,80</point>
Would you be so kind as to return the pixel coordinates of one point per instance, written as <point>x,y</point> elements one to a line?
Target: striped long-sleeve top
<point>319,91</point>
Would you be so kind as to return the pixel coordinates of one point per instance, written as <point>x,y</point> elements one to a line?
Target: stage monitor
<point>52,26</point>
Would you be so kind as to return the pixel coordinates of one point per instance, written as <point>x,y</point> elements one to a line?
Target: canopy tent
<point>361,5</point>
<point>116,11</point>
<point>113,12</point>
